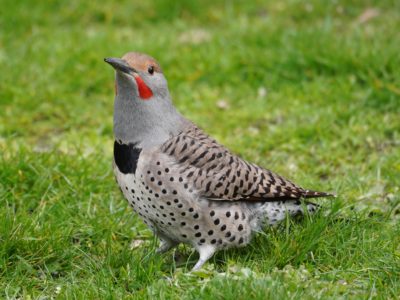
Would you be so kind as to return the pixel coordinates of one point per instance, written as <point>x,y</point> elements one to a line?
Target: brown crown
<point>141,61</point>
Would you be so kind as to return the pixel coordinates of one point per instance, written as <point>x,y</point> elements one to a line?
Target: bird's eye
<point>151,70</point>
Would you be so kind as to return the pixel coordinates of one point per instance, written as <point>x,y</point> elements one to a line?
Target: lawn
<point>310,90</point>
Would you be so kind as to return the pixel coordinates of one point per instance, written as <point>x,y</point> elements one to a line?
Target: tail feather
<point>315,194</point>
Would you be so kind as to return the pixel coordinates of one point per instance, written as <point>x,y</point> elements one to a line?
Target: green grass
<point>313,93</point>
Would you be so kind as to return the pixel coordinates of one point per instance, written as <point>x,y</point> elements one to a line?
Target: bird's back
<point>220,175</point>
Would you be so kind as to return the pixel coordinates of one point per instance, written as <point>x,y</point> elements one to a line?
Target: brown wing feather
<point>218,174</point>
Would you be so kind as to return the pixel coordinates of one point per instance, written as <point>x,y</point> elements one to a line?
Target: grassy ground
<point>308,90</point>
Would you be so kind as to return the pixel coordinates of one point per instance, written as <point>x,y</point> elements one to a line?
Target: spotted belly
<point>166,216</point>
<point>180,216</point>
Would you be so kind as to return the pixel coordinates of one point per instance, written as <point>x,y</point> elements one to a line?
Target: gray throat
<point>146,123</point>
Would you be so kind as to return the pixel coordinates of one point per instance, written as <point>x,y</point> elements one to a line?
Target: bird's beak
<point>120,65</point>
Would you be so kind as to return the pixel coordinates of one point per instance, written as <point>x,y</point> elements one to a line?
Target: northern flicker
<point>184,185</point>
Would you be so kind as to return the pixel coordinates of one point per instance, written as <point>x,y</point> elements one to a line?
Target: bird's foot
<point>166,245</point>
<point>205,253</point>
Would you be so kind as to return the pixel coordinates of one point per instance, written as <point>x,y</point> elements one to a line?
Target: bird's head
<point>138,75</point>
<point>143,110</point>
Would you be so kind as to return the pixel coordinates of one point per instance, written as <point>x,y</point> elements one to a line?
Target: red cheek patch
<point>144,91</point>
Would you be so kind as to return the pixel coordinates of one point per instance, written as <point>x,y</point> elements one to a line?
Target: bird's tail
<point>314,194</point>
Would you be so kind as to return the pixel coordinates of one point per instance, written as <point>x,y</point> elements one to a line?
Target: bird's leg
<point>165,245</point>
<point>205,252</point>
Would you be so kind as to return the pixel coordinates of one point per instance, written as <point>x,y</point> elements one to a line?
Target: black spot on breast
<point>126,157</point>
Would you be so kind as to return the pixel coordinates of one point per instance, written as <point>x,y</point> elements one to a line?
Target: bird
<point>185,186</point>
